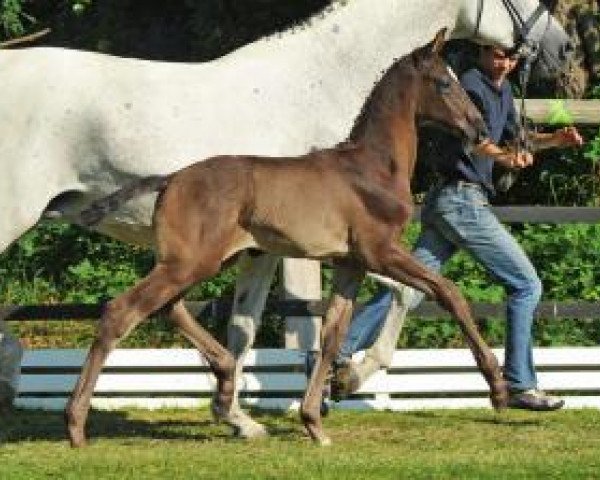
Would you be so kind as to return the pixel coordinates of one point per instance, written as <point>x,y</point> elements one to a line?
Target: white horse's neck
<point>391,28</point>
<point>321,74</point>
<point>391,21</point>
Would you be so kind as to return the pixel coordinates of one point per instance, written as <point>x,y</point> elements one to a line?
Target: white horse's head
<point>540,34</point>
<point>524,25</point>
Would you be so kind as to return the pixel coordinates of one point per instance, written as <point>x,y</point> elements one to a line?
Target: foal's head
<point>441,100</point>
<point>418,88</point>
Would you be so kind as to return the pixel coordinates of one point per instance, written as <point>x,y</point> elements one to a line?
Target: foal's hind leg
<point>121,315</point>
<point>346,284</point>
<point>218,357</point>
<point>251,289</point>
<point>401,266</point>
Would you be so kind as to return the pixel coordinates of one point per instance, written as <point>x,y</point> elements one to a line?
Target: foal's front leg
<point>347,281</point>
<point>401,266</point>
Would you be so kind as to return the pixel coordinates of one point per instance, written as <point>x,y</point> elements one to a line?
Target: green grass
<point>186,444</point>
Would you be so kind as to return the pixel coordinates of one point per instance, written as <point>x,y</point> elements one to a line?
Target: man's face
<point>496,62</point>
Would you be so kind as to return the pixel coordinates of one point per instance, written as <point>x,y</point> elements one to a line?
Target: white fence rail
<point>274,378</point>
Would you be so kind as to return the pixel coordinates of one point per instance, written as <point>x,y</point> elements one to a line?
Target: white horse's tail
<point>103,206</point>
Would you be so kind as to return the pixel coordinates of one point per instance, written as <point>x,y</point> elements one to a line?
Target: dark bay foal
<point>345,206</point>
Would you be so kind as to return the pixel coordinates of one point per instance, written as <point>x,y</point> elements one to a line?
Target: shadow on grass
<point>487,417</point>
<point>38,425</point>
<point>279,423</point>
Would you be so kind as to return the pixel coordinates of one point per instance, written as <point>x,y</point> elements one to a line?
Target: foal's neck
<point>386,126</point>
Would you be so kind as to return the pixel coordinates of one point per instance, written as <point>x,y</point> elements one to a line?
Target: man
<point>457,215</point>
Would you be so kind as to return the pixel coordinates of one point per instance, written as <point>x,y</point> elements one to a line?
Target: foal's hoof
<point>250,431</point>
<point>317,435</point>
<point>76,437</point>
<point>319,438</point>
<point>499,395</point>
<point>75,428</point>
<point>243,426</point>
<point>345,381</point>
<point>314,427</point>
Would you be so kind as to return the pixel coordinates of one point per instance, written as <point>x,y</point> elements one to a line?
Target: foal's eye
<point>442,85</point>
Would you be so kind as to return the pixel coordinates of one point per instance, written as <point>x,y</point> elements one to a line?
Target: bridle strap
<point>523,135</point>
<point>514,14</point>
<point>525,46</point>
<point>532,20</point>
<point>478,19</point>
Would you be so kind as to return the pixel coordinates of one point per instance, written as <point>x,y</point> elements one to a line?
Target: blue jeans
<point>457,216</point>
<point>366,325</point>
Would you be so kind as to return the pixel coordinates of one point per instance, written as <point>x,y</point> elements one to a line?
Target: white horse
<point>78,125</point>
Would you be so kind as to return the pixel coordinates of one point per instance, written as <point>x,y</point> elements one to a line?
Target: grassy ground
<point>371,445</point>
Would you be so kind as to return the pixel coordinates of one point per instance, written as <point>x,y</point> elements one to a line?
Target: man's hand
<point>521,159</point>
<point>510,158</point>
<point>568,137</point>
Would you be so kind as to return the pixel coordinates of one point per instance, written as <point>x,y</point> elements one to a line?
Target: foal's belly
<point>301,228</point>
<point>316,244</point>
<point>300,208</point>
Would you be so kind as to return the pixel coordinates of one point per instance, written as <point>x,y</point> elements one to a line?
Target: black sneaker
<point>535,400</point>
<point>344,380</point>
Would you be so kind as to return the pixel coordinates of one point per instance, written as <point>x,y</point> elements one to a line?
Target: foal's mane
<point>385,93</point>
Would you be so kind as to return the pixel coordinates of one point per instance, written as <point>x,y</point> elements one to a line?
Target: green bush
<point>60,263</point>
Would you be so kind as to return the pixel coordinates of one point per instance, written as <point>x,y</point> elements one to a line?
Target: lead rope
<point>523,143</point>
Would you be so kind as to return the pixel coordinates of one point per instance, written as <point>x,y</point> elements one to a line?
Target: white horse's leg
<point>11,353</point>
<point>23,213</point>
<point>252,287</point>
<point>351,376</point>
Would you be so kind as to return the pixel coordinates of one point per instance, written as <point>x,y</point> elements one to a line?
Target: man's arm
<point>564,137</point>
<point>507,157</point>
<point>511,158</point>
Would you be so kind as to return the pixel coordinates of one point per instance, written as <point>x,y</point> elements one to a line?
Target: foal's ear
<point>438,42</point>
<point>432,49</point>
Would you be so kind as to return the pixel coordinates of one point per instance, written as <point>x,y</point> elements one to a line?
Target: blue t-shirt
<point>498,111</point>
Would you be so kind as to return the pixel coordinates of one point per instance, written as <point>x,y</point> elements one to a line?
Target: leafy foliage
<point>175,30</point>
<point>60,263</point>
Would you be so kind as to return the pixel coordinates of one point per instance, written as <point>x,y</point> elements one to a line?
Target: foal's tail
<point>100,208</point>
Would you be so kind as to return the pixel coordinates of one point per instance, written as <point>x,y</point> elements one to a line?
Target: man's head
<point>496,63</point>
